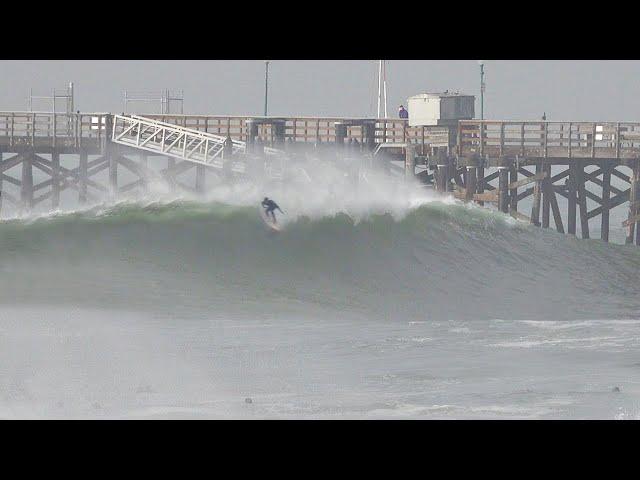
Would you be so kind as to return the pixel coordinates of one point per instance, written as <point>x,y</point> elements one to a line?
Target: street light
<point>481,63</point>
<point>266,85</point>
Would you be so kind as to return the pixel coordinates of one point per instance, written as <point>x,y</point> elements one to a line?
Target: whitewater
<point>378,300</point>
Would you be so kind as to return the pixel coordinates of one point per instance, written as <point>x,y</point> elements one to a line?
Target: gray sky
<point>566,90</point>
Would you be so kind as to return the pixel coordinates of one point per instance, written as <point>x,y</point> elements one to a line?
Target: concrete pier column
<point>200,178</point>
<point>82,181</point>
<point>513,192</point>
<point>471,177</point>
<point>143,161</point>
<point>1,173</point>
<point>537,197</point>
<point>341,134</point>
<point>252,133</point>
<point>480,177</point>
<point>410,161</point>
<point>369,135</point>
<point>278,127</point>
<point>55,180</point>
<point>442,174</point>
<point>258,147</point>
<point>170,175</point>
<point>504,166</point>
<point>572,202</point>
<point>26,191</point>
<point>503,184</point>
<point>227,157</point>
<point>113,175</point>
<point>633,202</point>
<point>582,201</point>
<point>546,194</point>
<point>606,196</point>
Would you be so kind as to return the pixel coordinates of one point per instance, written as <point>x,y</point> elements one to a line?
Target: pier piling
<point>606,195</point>
<point>55,180</point>
<point>82,177</point>
<point>546,192</point>
<point>410,161</point>
<point>27,182</point>
<point>571,200</point>
<point>537,195</point>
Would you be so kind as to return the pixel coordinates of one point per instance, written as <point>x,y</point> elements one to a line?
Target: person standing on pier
<point>402,112</point>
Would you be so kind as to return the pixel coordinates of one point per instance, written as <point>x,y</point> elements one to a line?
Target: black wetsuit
<point>269,207</point>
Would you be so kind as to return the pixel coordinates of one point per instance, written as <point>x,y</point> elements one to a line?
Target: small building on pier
<point>440,109</point>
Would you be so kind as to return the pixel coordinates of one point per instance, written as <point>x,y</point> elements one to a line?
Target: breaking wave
<point>421,258</point>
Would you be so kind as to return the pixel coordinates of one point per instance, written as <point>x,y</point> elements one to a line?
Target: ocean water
<point>375,301</point>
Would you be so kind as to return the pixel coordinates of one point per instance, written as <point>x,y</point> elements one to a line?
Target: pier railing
<point>51,129</point>
<point>312,129</point>
<point>549,139</point>
<point>47,129</point>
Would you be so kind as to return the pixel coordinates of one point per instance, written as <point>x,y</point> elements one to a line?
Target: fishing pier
<point>563,169</point>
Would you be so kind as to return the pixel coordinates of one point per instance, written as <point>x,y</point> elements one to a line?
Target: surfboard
<point>268,222</point>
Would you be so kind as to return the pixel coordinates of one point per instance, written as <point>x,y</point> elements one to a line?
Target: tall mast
<point>266,86</point>
<point>384,84</point>
<point>382,88</point>
<point>379,86</point>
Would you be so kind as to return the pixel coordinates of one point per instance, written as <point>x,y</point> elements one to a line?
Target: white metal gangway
<point>179,142</point>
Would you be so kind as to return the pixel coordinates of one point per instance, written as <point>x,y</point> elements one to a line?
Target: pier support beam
<point>504,166</point>
<point>410,161</point>
<point>513,192</point>
<point>582,201</point>
<point>278,127</point>
<point>252,133</point>
<point>571,206</point>
<point>442,172</point>
<point>227,160</point>
<point>113,175</point>
<point>55,180</point>
<point>82,177</point>
<point>26,191</point>
<point>503,194</point>
<point>170,176</point>
<point>480,176</point>
<point>606,196</point>
<point>200,178</point>
<point>143,161</point>
<point>470,177</point>
<point>369,135</point>
<point>537,194</point>
<point>1,173</point>
<point>633,203</point>
<point>546,195</point>
<point>341,133</point>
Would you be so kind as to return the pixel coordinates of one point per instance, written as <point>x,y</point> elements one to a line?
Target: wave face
<point>394,304</point>
<point>443,261</point>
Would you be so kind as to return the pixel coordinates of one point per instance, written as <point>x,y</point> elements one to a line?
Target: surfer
<point>269,207</point>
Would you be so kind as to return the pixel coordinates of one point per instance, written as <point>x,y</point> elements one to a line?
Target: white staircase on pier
<point>180,142</point>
